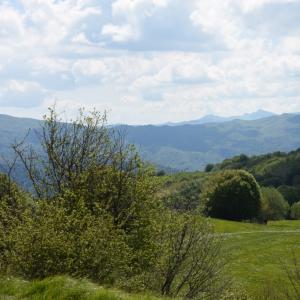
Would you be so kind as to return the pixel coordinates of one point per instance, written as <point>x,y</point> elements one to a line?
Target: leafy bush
<point>50,241</point>
<point>274,206</point>
<point>187,198</point>
<point>295,211</point>
<point>232,195</point>
<point>192,263</point>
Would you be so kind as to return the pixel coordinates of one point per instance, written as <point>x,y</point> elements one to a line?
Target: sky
<point>149,61</point>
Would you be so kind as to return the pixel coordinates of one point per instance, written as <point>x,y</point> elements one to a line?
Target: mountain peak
<point>210,118</point>
<point>259,114</point>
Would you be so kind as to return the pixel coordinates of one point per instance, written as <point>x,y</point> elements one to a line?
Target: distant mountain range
<point>259,114</point>
<point>189,147</point>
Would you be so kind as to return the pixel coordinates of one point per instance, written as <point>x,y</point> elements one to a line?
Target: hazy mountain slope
<point>15,129</point>
<point>190,147</point>
<point>217,119</point>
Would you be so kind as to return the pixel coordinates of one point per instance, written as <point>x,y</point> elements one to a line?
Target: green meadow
<point>259,254</point>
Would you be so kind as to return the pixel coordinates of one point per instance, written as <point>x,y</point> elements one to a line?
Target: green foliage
<point>278,169</point>
<point>186,198</point>
<point>290,193</point>
<point>13,203</point>
<point>51,241</point>
<point>295,211</point>
<point>232,195</point>
<point>192,263</point>
<point>209,168</point>
<point>274,206</point>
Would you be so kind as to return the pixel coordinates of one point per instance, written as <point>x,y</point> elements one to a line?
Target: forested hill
<point>281,170</point>
<point>191,147</point>
<point>188,147</point>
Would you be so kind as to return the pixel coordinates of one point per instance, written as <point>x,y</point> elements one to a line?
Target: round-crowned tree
<point>232,195</point>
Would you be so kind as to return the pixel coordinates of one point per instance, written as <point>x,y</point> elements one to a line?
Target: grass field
<point>61,288</point>
<point>257,253</point>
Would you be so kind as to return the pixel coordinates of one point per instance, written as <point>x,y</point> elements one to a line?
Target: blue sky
<point>149,61</point>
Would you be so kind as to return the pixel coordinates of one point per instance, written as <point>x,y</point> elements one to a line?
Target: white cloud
<point>125,7</point>
<point>150,60</point>
<point>21,94</point>
<point>120,33</point>
<point>89,70</point>
<point>11,23</point>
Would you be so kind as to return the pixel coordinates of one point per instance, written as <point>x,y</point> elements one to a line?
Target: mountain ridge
<point>211,118</point>
<point>186,147</point>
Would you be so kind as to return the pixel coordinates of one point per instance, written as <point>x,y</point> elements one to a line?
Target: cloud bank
<point>150,61</point>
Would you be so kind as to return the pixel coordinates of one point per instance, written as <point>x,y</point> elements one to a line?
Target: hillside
<point>191,147</point>
<point>281,170</point>
<point>188,147</point>
<point>15,129</point>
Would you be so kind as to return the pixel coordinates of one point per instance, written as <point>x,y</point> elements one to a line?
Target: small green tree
<point>295,211</point>
<point>232,195</point>
<point>86,166</point>
<point>274,206</point>
<point>192,264</point>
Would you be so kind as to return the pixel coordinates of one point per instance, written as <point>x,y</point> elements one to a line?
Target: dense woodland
<point>95,210</point>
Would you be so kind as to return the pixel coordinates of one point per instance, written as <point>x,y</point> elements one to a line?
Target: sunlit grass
<point>258,253</point>
<point>62,288</point>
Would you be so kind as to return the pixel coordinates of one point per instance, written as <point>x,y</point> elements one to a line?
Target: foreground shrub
<point>86,164</point>
<point>192,265</point>
<point>274,206</point>
<point>50,241</point>
<point>232,195</point>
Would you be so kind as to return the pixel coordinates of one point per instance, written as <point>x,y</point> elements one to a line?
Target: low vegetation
<point>278,169</point>
<point>62,288</point>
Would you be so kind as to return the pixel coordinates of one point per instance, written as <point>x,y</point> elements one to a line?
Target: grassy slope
<point>61,288</point>
<point>258,253</point>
